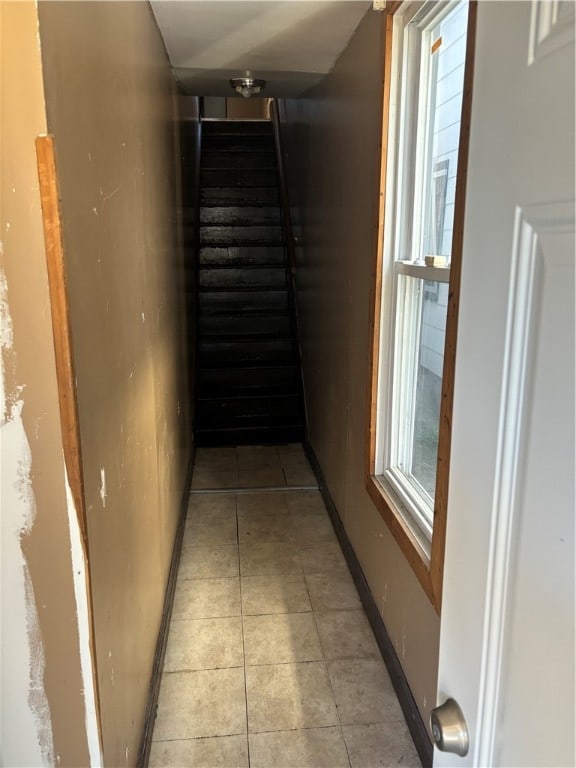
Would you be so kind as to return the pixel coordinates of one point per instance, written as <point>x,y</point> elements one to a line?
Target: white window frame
<point>405,214</point>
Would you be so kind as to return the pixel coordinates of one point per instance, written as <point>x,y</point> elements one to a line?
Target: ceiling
<point>291,44</point>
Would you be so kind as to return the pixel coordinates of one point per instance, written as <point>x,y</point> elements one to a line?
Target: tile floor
<point>271,662</point>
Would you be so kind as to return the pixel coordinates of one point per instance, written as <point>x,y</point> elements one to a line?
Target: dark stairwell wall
<point>332,138</point>
<point>111,105</point>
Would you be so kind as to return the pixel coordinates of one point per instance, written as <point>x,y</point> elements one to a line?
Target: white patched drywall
<point>25,727</point>
<point>25,723</point>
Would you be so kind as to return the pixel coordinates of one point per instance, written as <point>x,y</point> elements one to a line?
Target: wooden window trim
<point>429,570</point>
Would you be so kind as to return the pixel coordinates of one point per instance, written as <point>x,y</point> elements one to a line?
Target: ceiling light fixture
<point>247,86</point>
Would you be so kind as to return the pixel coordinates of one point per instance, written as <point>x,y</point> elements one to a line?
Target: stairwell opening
<point>248,386</point>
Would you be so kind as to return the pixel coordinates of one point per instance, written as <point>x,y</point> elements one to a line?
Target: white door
<point>507,629</point>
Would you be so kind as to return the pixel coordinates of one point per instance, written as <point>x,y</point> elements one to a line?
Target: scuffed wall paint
<point>110,106</point>
<point>48,725</point>
<point>103,486</point>
<point>26,735</point>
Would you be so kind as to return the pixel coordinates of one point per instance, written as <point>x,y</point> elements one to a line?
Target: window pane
<point>429,385</point>
<point>445,47</point>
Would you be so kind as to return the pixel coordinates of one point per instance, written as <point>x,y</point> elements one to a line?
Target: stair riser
<point>231,302</point>
<point>264,436</point>
<point>238,160</point>
<point>230,327</point>
<point>248,412</point>
<point>232,128</point>
<point>256,352</point>
<point>240,178</point>
<point>255,278</point>
<point>215,382</point>
<point>227,143</point>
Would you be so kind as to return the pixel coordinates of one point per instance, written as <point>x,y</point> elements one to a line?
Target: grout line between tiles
<point>254,489</point>
<point>307,728</point>
<point>242,625</point>
<point>275,730</point>
<point>208,618</point>
<point>201,738</point>
<point>200,669</point>
<point>341,727</point>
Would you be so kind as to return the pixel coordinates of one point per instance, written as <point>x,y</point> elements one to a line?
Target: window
<point>427,52</point>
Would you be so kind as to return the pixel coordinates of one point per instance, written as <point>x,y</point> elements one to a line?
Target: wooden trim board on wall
<point>64,361</point>
<point>428,570</point>
<point>416,726</point>
<point>51,219</point>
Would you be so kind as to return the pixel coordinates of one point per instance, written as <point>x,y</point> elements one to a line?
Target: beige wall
<point>46,697</point>
<point>333,138</point>
<point>252,108</point>
<point>111,107</point>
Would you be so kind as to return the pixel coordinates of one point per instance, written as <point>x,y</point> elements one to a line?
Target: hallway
<point>270,658</point>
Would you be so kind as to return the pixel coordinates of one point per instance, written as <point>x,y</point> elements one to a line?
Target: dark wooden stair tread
<point>238,195</point>
<point>242,255</point>
<point>248,215</point>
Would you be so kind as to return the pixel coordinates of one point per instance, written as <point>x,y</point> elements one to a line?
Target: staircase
<point>248,386</point>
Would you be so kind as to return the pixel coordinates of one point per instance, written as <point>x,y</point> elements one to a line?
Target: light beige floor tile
<point>206,703</point>
<point>206,598</point>
<point>264,525</point>
<point>380,746</point>
<point>211,532</point>
<point>273,502</point>
<point>223,456</point>
<point>299,475</point>
<point>208,563</point>
<point>257,456</point>
<point>363,692</point>
<point>261,477</point>
<point>313,527</point>
<point>272,557</point>
<point>306,502</point>
<point>321,557</point>
<point>310,748</point>
<point>204,644</point>
<point>346,635</point>
<point>285,593</point>
<point>216,752</point>
<point>294,458</point>
<point>291,452</point>
<point>287,696</point>
<point>207,477</point>
<point>206,506</point>
<point>283,637</point>
<point>332,591</point>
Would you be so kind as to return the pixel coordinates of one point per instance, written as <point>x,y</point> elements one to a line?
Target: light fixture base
<point>247,86</point>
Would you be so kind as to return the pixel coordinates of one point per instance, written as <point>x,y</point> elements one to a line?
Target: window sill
<point>413,542</point>
<point>402,509</point>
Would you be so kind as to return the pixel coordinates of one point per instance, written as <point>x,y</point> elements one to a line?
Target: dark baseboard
<point>156,677</point>
<point>414,720</point>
